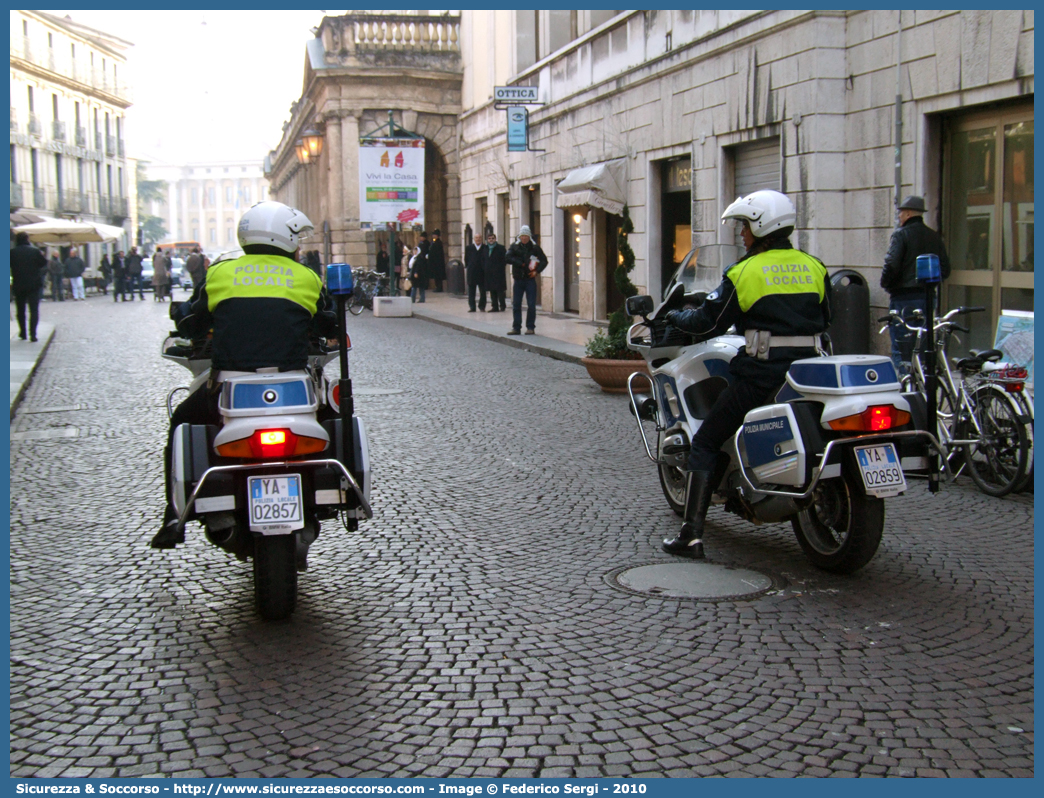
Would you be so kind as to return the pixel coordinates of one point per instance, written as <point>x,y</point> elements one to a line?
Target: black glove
<point>672,316</point>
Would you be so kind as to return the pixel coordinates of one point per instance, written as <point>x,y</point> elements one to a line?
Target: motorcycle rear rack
<point>825,458</point>
<point>291,464</point>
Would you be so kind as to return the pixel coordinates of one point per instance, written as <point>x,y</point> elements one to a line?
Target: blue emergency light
<point>928,269</point>
<point>339,279</point>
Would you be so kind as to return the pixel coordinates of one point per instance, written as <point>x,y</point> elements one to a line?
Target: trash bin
<point>455,283</point>
<point>850,328</point>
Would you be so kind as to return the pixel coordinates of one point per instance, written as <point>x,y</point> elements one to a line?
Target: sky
<point>208,85</point>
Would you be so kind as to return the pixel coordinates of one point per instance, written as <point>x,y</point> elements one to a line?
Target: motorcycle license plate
<point>275,504</point>
<point>881,470</point>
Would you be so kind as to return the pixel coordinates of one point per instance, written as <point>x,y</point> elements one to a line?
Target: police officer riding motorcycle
<point>263,308</point>
<point>778,298</point>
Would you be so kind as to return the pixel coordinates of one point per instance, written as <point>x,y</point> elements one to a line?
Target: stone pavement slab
<point>25,357</point>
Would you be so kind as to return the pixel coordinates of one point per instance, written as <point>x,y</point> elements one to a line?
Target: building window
<point>50,40</point>
<point>54,107</point>
<point>228,192</point>
<point>211,195</point>
<point>213,235</point>
<point>195,197</point>
<point>562,27</point>
<point>32,108</point>
<point>527,38</point>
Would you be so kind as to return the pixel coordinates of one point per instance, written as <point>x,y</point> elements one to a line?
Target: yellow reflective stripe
<point>263,276</point>
<point>778,271</point>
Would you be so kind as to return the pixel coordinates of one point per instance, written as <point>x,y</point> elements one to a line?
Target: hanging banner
<point>391,182</point>
<point>518,129</point>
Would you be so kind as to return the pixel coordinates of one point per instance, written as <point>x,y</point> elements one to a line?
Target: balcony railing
<point>103,205</point>
<point>58,130</point>
<point>81,137</point>
<point>402,32</point>
<point>98,140</point>
<point>110,145</point>
<point>118,208</point>
<point>71,202</point>
<point>16,196</point>
<point>119,148</point>
<point>39,198</point>
<point>14,120</point>
<point>35,128</point>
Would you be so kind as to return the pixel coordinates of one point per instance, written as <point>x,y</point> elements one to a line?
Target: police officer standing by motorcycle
<point>263,307</point>
<point>778,298</point>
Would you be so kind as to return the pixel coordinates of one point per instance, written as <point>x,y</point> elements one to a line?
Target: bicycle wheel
<point>946,415</point>
<point>1026,418</point>
<point>1000,458</point>
<point>355,302</point>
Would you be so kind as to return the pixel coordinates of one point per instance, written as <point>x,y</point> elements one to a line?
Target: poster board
<point>1015,339</point>
<point>391,182</point>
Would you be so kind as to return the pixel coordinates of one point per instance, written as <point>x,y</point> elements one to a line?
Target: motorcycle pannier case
<point>771,446</point>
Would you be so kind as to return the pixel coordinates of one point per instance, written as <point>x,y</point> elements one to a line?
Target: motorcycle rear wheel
<point>275,576</point>
<point>672,482</point>
<point>841,531</point>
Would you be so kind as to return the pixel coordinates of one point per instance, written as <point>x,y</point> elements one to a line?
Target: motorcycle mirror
<point>639,306</point>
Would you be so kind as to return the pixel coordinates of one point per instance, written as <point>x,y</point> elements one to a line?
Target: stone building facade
<point>69,97</point>
<point>359,69</point>
<point>677,112</point>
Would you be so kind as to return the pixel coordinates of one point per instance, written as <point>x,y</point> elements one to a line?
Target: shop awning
<point>598,186</point>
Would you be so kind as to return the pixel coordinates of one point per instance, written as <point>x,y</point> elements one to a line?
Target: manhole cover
<point>376,391</point>
<point>692,580</point>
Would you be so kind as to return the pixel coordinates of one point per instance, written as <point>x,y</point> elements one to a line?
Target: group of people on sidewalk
<point>485,269</point>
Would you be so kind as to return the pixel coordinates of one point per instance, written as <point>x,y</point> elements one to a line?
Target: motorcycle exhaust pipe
<point>220,528</point>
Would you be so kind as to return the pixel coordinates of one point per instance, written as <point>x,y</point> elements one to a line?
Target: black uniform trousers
<point>758,385</point>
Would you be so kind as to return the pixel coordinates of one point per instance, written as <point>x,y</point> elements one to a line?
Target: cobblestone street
<point>470,628</point>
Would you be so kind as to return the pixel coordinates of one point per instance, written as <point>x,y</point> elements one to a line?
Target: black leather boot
<point>168,537</point>
<point>689,540</point>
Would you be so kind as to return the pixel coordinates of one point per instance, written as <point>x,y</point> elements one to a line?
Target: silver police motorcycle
<point>837,441</point>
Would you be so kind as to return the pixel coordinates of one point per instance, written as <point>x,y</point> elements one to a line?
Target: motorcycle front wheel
<point>672,481</point>
<point>275,576</point>
<point>842,529</point>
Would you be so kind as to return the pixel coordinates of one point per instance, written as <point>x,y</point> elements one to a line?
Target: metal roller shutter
<point>757,166</point>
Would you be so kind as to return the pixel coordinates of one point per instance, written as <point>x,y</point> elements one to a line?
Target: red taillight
<point>876,418</point>
<point>271,444</point>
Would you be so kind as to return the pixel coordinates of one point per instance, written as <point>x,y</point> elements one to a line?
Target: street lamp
<point>309,147</point>
<point>313,142</point>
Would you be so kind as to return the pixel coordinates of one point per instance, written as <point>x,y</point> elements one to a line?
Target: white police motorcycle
<point>838,440</point>
<point>263,480</point>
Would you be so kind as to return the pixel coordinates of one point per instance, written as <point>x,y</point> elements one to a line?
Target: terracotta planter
<point>612,375</point>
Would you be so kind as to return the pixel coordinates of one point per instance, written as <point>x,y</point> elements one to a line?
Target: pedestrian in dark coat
<point>899,275</point>
<point>106,271</point>
<point>437,260</point>
<point>57,274</point>
<point>74,269</point>
<point>527,260</point>
<point>119,278</point>
<point>473,272</point>
<point>28,266</point>
<point>133,264</point>
<point>494,272</point>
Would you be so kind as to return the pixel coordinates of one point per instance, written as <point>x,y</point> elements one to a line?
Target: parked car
<point>177,271</point>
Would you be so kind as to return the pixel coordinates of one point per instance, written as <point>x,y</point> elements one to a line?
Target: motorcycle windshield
<point>703,267</point>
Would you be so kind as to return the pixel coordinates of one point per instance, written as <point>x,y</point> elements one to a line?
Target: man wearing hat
<point>437,260</point>
<point>527,260</point>
<point>899,276</point>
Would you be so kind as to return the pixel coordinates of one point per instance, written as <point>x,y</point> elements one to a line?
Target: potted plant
<point>609,362</point>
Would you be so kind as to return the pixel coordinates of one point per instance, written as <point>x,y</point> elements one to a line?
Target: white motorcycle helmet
<point>765,211</point>
<point>274,224</point>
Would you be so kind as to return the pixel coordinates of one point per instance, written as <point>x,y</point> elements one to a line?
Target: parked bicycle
<point>984,432</point>
<point>368,284</point>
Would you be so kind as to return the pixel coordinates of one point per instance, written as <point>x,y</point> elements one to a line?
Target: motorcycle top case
<point>771,447</point>
<point>839,375</point>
